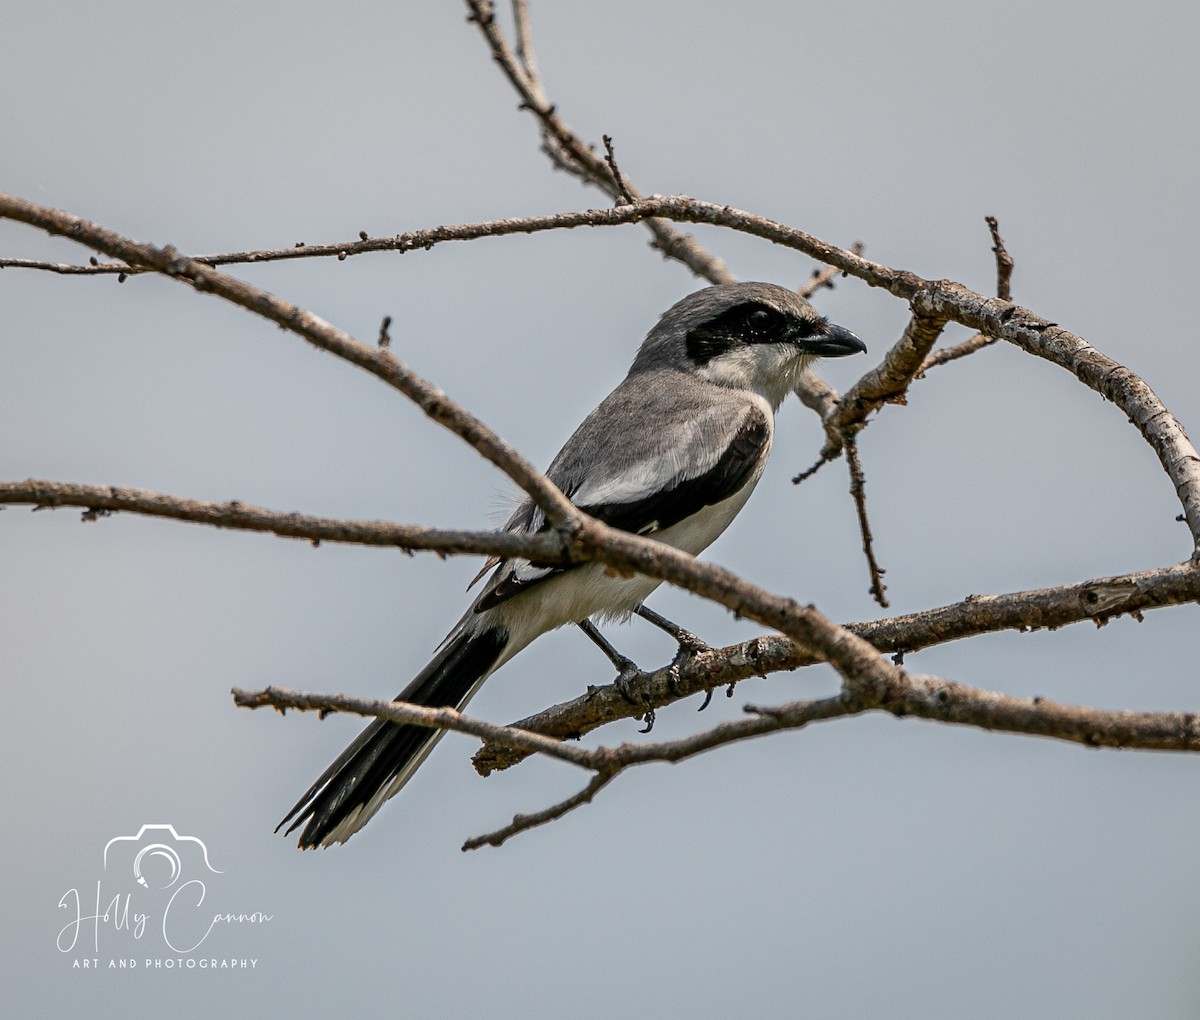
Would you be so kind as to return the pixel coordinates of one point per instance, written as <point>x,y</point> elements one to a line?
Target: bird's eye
<point>763,321</point>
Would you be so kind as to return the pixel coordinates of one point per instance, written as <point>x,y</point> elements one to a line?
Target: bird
<point>673,454</point>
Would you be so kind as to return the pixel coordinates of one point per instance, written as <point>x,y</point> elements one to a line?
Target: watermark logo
<point>149,910</point>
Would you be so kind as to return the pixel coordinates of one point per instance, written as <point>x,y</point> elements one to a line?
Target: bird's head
<point>753,336</point>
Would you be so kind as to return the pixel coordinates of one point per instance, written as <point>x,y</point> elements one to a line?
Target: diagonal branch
<point>571,153</point>
<point>590,539</point>
<point>560,512</point>
<point>525,822</point>
<point>887,383</point>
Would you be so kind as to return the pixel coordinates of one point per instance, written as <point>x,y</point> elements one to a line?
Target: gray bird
<point>673,452</point>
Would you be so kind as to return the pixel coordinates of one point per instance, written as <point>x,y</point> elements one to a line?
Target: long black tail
<point>385,755</point>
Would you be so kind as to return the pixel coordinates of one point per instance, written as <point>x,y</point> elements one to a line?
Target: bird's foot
<point>623,683</point>
<point>627,673</point>
<point>689,647</point>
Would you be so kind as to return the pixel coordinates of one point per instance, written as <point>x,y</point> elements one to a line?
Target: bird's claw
<point>627,674</point>
<point>690,645</point>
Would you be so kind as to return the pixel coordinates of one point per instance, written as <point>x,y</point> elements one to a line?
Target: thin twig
<point>858,492</point>
<point>947,354</point>
<point>825,276</point>
<point>1004,262</point>
<point>524,33</point>
<point>624,196</point>
<point>525,822</point>
<point>569,152</point>
<point>281,699</point>
<point>1004,269</point>
<point>825,458</point>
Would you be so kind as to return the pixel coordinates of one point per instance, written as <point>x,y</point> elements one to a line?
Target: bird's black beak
<point>832,342</point>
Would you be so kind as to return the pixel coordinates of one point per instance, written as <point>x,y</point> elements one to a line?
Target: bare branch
<point>1098,600</point>
<point>925,697</point>
<point>890,689</point>
<point>524,32</point>
<point>624,196</point>
<point>1099,372</point>
<point>932,302</point>
<point>887,383</point>
<point>67,268</point>
<point>525,822</point>
<point>569,152</point>
<point>415,240</point>
<point>98,500</point>
<point>930,697</point>
<point>1004,268</point>
<point>668,751</point>
<point>281,699</point>
<point>858,492</point>
<point>1004,262</point>
<point>381,363</point>
<point>869,681</point>
<point>591,539</point>
<point>976,343</point>
<point>824,277</point>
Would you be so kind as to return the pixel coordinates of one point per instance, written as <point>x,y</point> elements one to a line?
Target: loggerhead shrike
<point>673,452</point>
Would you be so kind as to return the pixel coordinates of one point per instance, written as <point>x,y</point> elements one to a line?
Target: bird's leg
<point>689,644</point>
<point>627,669</point>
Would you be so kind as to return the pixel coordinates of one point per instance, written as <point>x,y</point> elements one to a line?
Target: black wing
<point>659,509</point>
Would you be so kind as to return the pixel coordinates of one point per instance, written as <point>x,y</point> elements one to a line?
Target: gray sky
<point>869,867</point>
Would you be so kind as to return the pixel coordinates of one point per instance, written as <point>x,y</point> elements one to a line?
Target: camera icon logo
<point>158,856</point>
